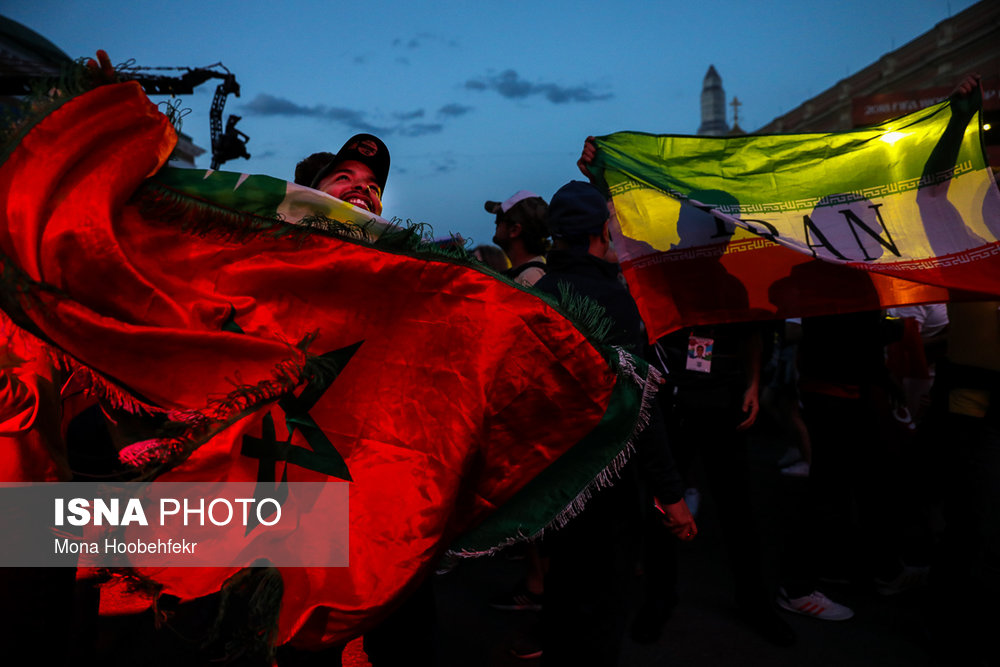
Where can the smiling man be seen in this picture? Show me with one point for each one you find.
(356, 174)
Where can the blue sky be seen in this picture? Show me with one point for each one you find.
(477, 100)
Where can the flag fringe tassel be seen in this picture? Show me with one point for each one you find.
(605, 478)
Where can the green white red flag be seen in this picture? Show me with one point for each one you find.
(723, 229)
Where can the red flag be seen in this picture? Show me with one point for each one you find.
(436, 388)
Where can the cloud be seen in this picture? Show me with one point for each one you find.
(409, 115)
(444, 165)
(421, 40)
(454, 109)
(269, 105)
(421, 129)
(508, 84)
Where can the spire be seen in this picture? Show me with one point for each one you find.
(713, 105)
(736, 129)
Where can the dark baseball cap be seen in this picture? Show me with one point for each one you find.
(364, 148)
(577, 209)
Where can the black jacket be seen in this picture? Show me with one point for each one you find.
(597, 279)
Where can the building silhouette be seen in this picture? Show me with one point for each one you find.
(713, 106)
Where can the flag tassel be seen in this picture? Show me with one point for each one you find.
(607, 477)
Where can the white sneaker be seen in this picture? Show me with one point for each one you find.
(816, 605)
(797, 469)
(791, 455)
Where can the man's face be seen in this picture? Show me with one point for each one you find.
(505, 232)
(354, 183)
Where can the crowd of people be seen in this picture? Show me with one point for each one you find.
(894, 417)
(869, 404)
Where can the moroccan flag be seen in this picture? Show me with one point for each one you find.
(723, 229)
(251, 349)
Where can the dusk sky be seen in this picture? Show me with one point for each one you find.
(477, 100)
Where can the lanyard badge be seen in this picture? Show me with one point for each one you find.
(699, 356)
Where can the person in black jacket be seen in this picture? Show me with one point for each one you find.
(592, 558)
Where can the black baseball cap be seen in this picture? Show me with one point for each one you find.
(576, 210)
(367, 149)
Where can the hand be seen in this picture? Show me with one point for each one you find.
(751, 406)
(678, 520)
(587, 158)
(101, 70)
(966, 85)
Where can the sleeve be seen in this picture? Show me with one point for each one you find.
(656, 463)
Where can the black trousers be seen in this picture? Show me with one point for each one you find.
(591, 564)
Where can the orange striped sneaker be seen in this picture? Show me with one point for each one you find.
(816, 605)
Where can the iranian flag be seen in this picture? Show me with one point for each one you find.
(726, 229)
(247, 330)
